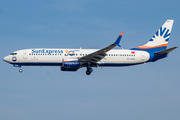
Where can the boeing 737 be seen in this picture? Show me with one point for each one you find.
(73, 59)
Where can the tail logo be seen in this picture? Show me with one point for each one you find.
(161, 33)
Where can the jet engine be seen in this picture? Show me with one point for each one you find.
(70, 65)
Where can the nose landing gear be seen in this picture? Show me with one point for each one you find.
(89, 70)
(20, 70)
(19, 66)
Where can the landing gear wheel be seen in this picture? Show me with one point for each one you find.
(88, 73)
(20, 70)
(89, 70)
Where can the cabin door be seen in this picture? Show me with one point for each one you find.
(25, 54)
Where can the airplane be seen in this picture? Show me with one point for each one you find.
(73, 59)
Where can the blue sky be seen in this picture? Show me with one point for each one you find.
(142, 92)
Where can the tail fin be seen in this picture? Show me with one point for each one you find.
(159, 40)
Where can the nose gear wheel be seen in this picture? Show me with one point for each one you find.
(20, 70)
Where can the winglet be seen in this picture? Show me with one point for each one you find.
(118, 39)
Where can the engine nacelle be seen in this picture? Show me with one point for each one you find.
(70, 65)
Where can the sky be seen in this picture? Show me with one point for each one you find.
(142, 92)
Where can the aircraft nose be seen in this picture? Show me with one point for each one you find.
(6, 59)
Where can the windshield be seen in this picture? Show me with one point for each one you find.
(13, 54)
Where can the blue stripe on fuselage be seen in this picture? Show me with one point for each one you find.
(59, 64)
(37, 64)
(152, 52)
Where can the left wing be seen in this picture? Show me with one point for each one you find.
(98, 55)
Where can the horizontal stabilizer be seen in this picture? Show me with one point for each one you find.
(165, 51)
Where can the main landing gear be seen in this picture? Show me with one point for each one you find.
(89, 70)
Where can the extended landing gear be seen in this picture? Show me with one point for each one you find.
(89, 70)
(20, 70)
(19, 66)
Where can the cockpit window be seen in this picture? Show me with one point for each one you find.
(13, 54)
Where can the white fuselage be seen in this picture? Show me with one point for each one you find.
(54, 57)
(73, 59)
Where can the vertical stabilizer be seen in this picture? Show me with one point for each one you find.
(160, 38)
